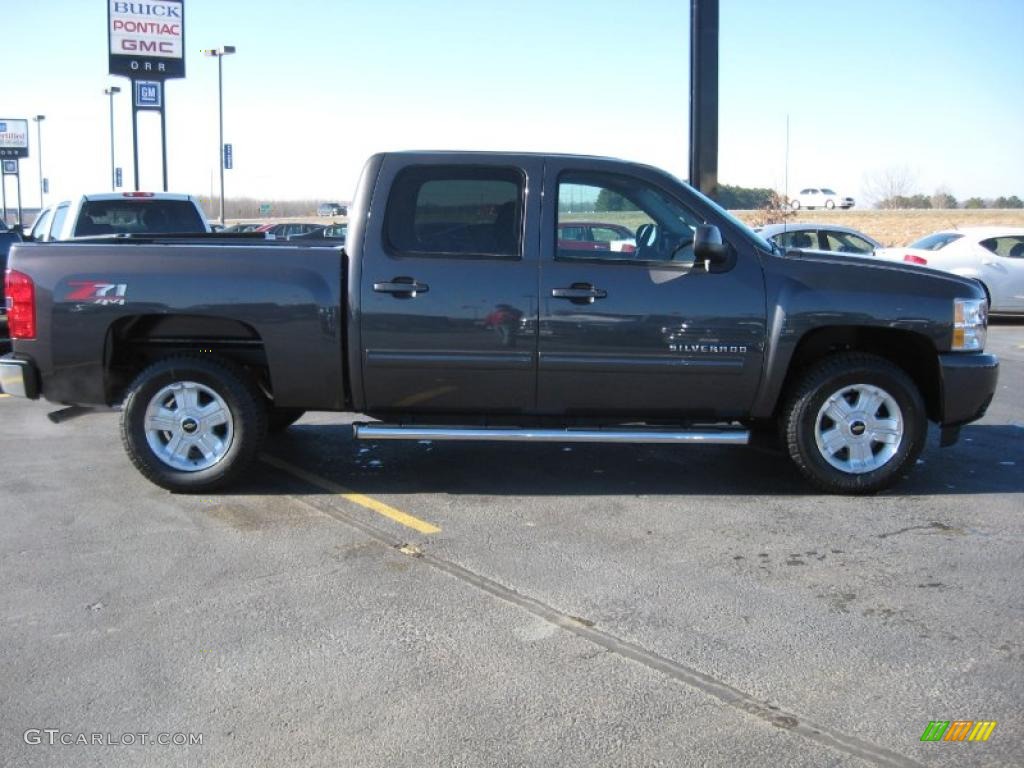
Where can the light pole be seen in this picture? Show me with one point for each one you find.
(38, 120)
(113, 173)
(220, 53)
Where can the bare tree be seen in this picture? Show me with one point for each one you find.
(943, 198)
(883, 187)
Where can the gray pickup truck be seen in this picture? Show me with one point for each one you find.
(485, 296)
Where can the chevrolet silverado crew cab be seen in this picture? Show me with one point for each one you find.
(456, 312)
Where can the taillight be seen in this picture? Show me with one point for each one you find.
(912, 259)
(21, 305)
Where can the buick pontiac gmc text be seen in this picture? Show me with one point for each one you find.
(486, 296)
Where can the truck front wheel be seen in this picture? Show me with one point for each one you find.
(854, 423)
(192, 424)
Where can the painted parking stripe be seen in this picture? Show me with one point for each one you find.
(367, 502)
(4, 395)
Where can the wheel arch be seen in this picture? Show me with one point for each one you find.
(137, 341)
(914, 353)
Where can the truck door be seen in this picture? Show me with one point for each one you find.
(636, 328)
(1002, 270)
(449, 285)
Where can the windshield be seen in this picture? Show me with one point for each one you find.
(936, 241)
(758, 239)
(138, 216)
(827, 191)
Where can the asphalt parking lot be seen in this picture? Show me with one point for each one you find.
(469, 604)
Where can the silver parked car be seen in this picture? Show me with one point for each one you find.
(820, 237)
(992, 255)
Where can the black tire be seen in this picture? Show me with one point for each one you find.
(279, 419)
(236, 391)
(800, 419)
(830, 204)
(794, 204)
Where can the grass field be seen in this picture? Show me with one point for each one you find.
(901, 227)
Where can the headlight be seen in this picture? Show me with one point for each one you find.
(970, 324)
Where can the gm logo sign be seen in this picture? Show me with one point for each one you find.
(148, 94)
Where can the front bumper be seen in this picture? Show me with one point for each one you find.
(19, 377)
(968, 384)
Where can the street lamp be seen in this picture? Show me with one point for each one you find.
(113, 173)
(38, 120)
(220, 53)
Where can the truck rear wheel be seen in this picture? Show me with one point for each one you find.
(854, 423)
(192, 424)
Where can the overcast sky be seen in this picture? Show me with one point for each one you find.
(316, 87)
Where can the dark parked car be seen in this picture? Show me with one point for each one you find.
(331, 209)
(595, 236)
(453, 313)
(287, 230)
(819, 237)
(332, 232)
(244, 227)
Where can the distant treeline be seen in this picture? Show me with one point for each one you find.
(943, 200)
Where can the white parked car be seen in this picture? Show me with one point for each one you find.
(992, 255)
(120, 213)
(819, 197)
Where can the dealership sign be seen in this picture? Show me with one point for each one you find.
(146, 39)
(13, 138)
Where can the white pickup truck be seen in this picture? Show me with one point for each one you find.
(119, 213)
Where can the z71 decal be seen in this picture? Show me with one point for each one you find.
(95, 292)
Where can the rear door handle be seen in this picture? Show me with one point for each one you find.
(579, 293)
(402, 287)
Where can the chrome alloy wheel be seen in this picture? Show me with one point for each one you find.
(188, 426)
(859, 429)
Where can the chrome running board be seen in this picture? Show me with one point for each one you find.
(380, 431)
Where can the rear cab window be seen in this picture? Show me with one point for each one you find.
(131, 216)
(936, 241)
(456, 211)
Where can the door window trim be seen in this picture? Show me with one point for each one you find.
(694, 268)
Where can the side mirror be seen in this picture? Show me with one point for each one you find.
(708, 245)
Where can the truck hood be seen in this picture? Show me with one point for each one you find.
(884, 266)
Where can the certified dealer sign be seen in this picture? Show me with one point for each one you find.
(147, 39)
(13, 138)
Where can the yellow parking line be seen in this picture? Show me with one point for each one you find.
(3, 395)
(367, 502)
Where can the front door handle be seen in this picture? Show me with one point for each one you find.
(579, 293)
(402, 287)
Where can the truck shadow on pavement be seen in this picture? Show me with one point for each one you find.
(988, 459)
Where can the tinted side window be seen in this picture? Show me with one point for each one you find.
(798, 239)
(1011, 247)
(456, 211)
(42, 224)
(844, 242)
(629, 220)
(59, 215)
